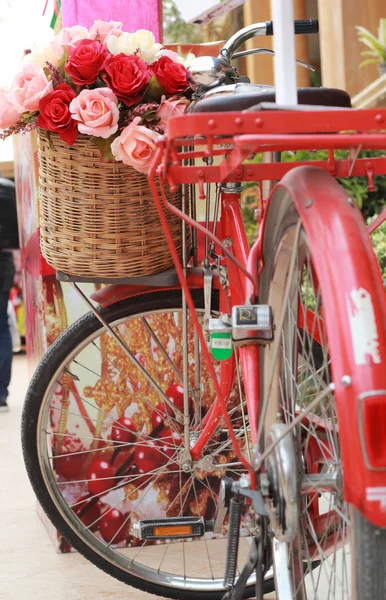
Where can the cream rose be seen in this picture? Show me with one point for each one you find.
(176, 57)
(39, 55)
(53, 51)
(29, 86)
(135, 146)
(142, 41)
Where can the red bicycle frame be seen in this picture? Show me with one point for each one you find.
(233, 137)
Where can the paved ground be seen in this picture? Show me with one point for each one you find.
(30, 568)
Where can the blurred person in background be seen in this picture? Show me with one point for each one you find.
(8, 242)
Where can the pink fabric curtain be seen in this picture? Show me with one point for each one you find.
(134, 14)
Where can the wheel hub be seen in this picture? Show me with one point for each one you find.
(282, 471)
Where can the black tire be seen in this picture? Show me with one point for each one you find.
(44, 374)
(370, 556)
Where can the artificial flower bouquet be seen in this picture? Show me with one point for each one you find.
(118, 88)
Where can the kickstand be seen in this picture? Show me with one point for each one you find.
(254, 559)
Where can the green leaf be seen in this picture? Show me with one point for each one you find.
(370, 61)
(29, 117)
(104, 146)
(98, 83)
(61, 64)
(154, 91)
(371, 42)
(369, 53)
(150, 116)
(382, 31)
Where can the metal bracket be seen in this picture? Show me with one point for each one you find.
(242, 487)
(206, 463)
(208, 277)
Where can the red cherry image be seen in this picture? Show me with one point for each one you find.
(147, 457)
(123, 459)
(169, 441)
(159, 414)
(110, 524)
(176, 394)
(101, 474)
(137, 480)
(88, 512)
(70, 466)
(123, 431)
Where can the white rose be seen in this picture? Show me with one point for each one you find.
(39, 55)
(188, 59)
(176, 57)
(128, 43)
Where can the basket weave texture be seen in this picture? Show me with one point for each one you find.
(98, 219)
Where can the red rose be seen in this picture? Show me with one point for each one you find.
(171, 75)
(85, 62)
(127, 76)
(54, 113)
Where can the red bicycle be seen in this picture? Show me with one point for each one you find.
(219, 430)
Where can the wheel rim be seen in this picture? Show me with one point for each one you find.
(72, 410)
(294, 378)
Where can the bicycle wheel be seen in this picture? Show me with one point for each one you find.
(101, 447)
(311, 522)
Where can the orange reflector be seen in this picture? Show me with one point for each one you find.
(172, 530)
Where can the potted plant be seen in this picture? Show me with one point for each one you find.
(377, 52)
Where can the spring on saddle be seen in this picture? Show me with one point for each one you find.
(233, 542)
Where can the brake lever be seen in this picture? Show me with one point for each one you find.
(271, 53)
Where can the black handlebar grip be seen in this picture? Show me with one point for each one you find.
(301, 26)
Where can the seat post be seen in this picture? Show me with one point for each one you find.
(284, 46)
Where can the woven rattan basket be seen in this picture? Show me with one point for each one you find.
(98, 219)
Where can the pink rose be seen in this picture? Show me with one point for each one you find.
(173, 107)
(68, 37)
(102, 29)
(9, 116)
(170, 54)
(29, 87)
(135, 146)
(96, 112)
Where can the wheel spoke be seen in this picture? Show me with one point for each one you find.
(298, 384)
(139, 443)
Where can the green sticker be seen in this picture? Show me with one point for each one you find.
(221, 345)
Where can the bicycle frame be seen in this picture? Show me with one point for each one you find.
(278, 130)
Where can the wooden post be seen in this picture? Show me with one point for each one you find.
(260, 68)
(339, 46)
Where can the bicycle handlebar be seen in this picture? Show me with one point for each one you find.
(302, 26)
(207, 72)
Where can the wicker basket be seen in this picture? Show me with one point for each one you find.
(98, 219)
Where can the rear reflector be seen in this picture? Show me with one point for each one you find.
(374, 428)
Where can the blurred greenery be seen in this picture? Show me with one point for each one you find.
(370, 203)
(176, 29)
(378, 239)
